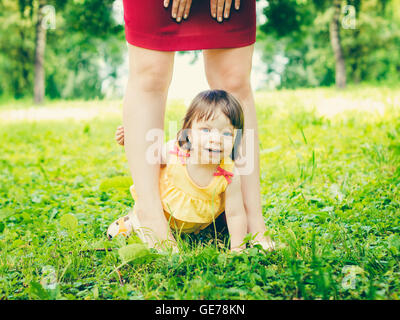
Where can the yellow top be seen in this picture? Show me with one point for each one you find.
(190, 207)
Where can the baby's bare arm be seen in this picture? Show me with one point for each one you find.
(235, 214)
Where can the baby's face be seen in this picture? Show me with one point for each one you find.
(212, 140)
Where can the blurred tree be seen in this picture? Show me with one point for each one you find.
(334, 32)
(292, 18)
(86, 37)
(86, 47)
(40, 44)
(322, 45)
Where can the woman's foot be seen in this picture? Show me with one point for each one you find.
(146, 227)
(130, 223)
(155, 228)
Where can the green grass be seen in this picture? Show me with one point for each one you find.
(330, 190)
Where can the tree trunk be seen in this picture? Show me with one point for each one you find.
(38, 86)
(334, 32)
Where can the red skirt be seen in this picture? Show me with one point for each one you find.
(148, 24)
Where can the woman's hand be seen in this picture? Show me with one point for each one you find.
(179, 8)
(217, 8)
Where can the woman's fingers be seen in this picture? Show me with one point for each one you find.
(175, 7)
(182, 5)
(187, 9)
(221, 9)
(228, 4)
(237, 4)
(213, 7)
(180, 8)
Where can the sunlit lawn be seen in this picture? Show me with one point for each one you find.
(330, 187)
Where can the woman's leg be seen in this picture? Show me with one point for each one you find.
(229, 70)
(150, 75)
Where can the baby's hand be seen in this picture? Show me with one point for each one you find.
(119, 135)
(266, 243)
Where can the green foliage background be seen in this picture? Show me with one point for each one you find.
(87, 38)
(299, 31)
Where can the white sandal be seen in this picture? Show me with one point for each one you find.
(125, 225)
(122, 226)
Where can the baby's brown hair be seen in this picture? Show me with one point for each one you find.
(204, 106)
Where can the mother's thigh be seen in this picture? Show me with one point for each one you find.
(229, 69)
(150, 69)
